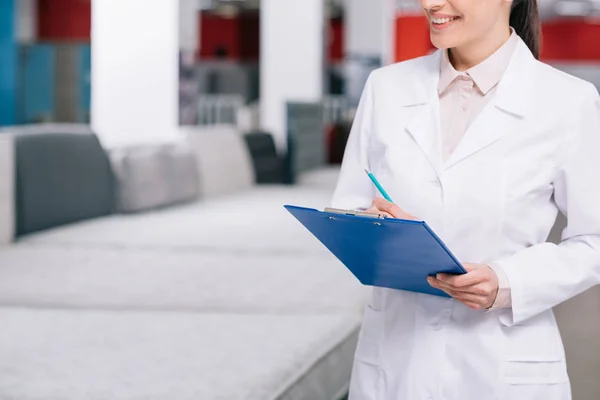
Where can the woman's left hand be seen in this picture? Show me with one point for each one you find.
(477, 289)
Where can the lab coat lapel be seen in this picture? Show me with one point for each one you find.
(424, 126)
(501, 115)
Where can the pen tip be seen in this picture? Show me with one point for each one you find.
(367, 171)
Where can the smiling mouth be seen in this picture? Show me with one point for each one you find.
(440, 23)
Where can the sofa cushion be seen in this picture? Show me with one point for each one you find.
(224, 162)
(7, 183)
(61, 178)
(268, 165)
(152, 176)
(48, 128)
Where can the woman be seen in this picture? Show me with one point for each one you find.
(486, 144)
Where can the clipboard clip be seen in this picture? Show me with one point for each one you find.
(354, 213)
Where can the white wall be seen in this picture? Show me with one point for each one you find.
(26, 18)
(135, 47)
(291, 63)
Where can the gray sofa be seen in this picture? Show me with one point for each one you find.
(162, 272)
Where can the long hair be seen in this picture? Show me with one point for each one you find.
(525, 19)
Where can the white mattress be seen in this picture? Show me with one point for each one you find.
(322, 178)
(254, 221)
(39, 276)
(47, 355)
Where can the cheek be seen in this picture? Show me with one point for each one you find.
(467, 30)
(454, 36)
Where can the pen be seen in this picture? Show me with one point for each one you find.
(378, 185)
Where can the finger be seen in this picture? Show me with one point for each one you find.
(471, 300)
(481, 289)
(475, 301)
(471, 267)
(474, 277)
(441, 284)
(391, 208)
(478, 295)
(469, 297)
(375, 210)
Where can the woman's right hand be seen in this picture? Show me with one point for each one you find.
(382, 206)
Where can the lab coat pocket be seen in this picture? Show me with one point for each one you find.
(538, 372)
(371, 333)
(366, 372)
(535, 380)
(533, 356)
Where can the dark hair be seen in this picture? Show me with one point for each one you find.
(525, 19)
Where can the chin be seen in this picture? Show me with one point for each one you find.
(442, 43)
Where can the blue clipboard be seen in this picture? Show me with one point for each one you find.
(385, 252)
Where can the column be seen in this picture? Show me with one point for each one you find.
(26, 29)
(291, 59)
(189, 23)
(8, 62)
(369, 40)
(135, 77)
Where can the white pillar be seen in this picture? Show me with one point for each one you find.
(135, 45)
(370, 28)
(369, 40)
(291, 59)
(26, 21)
(188, 24)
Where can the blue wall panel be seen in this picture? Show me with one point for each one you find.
(36, 92)
(85, 77)
(8, 62)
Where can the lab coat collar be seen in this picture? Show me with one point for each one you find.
(510, 103)
(423, 87)
(514, 89)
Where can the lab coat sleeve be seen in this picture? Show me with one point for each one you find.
(354, 190)
(544, 275)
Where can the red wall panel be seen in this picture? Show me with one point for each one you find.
(219, 32)
(575, 40)
(336, 40)
(412, 37)
(64, 19)
(571, 40)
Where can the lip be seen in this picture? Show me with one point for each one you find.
(441, 27)
(440, 15)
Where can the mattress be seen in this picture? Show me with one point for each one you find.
(253, 221)
(321, 178)
(38, 276)
(99, 355)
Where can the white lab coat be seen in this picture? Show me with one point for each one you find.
(534, 150)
